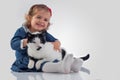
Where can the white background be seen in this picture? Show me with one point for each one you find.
(82, 26)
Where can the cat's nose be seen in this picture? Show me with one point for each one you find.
(39, 48)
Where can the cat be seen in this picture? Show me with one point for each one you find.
(41, 50)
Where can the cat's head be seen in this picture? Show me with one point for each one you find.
(36, 40)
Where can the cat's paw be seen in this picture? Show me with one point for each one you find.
(37, 65)
(31, 64)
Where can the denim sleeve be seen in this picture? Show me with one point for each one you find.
(16, 40)
(50, 38)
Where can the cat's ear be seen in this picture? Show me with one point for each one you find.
(29, 34)
(44, 36)
(44, 32)
(29, 37)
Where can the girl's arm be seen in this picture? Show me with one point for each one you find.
(54, 41)
(57, 45)
(18, 40)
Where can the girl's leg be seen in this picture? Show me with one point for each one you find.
(63, 66)
(77, 63)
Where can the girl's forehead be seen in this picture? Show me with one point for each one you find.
(42, 12)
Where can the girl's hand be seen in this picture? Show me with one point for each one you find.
(25, 42)
(56, 45)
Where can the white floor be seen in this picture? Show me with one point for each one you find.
(83, 75)
(96, 71)
(47, 76)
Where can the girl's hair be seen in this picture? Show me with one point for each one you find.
(32, 11)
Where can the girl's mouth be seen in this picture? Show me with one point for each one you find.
(40, 25)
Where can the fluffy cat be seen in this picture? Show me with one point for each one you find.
(41, 50)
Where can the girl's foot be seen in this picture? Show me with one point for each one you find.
(76, 65)
(66, 63)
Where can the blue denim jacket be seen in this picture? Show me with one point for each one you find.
(21, 62)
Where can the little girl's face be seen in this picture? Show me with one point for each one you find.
(40, 20)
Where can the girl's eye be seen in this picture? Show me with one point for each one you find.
(38, 17)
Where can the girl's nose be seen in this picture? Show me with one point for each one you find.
(41, 20)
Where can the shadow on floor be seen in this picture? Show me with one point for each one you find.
(49, 76)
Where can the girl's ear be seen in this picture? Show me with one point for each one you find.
(28, 18)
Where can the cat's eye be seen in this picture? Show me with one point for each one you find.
(33, 42)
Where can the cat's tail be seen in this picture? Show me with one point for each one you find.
(63, 51)
(84, 58)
